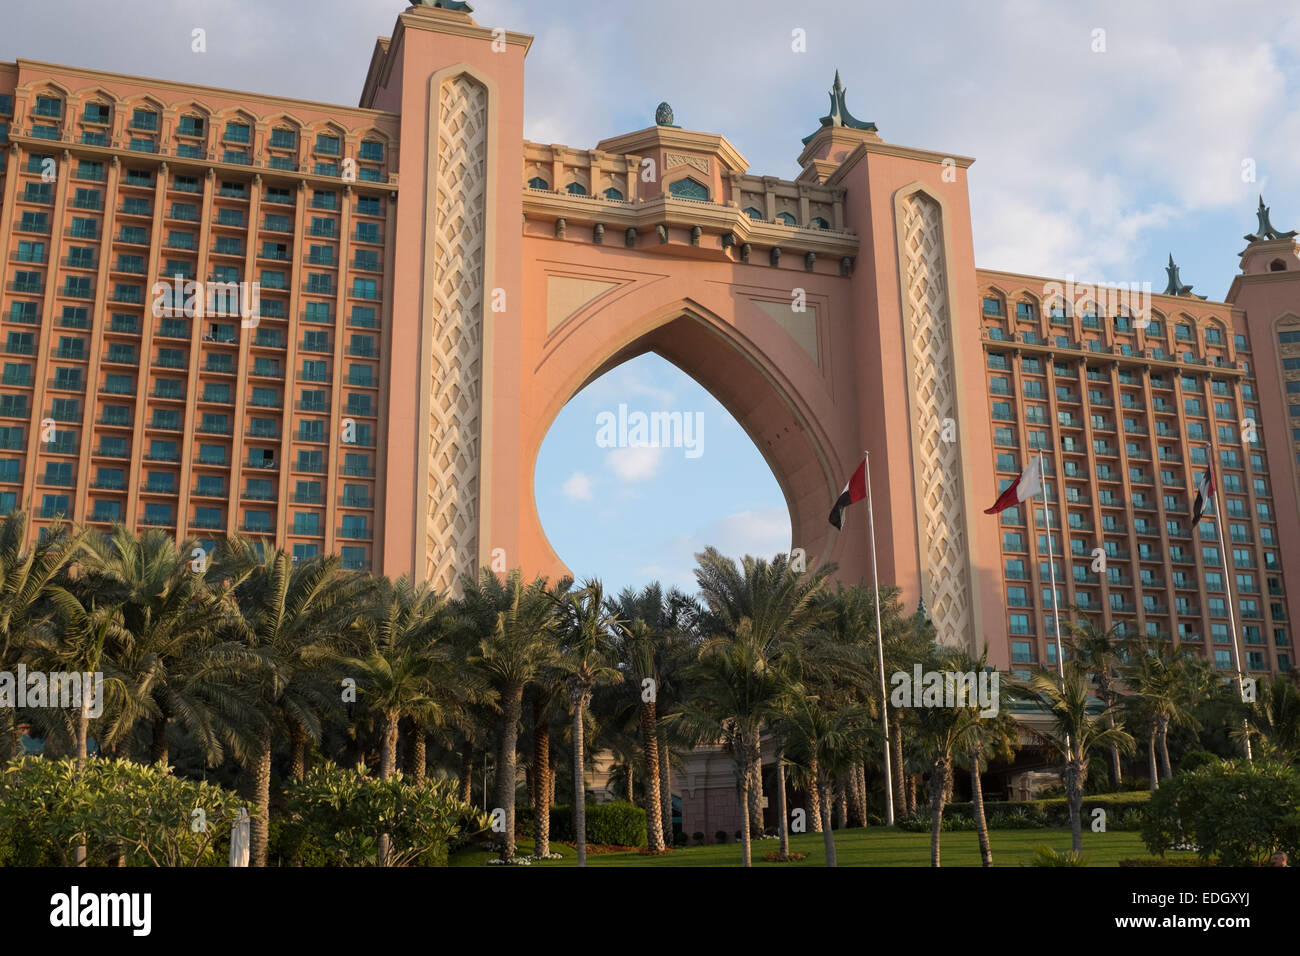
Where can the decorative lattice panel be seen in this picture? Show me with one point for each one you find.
(455, 408)
(941, 511)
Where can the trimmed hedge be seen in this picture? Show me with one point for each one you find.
(1124, 811)
(608, 824)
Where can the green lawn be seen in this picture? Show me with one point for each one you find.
(877, 846)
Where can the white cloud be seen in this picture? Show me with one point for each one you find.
(578, 487)
(635, 464)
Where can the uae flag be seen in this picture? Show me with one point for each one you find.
(1204, 492)
(1029, 484)
(855, 490)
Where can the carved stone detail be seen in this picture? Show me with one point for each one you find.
(682, 159)
(455, 407)
(941, 508)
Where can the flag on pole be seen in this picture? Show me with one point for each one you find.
(1204, 492)
(855, 490)
(1029, 484)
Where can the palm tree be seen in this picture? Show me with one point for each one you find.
(828, 735)
(942, 733)
(782, 606)
(737, 687)
(1169, 685)
(651, 648)
(988, 737)
(587, 657)
(1275, 716)
(1076, 734)
(26, 575)
(291, 616)
(514, 624)
(408, 668)
(1102, 651)
(170, 649)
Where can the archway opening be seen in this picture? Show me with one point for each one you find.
(642, 469)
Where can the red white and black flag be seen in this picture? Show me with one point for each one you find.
(1028, 485)
(1204, 492)
(855, 490)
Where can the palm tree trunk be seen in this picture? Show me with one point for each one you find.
(783, 814)
(977, 802)
(939, 770)
(1164, 747)
(1074, 790)
(259, 826)
(419, 754)
(742, 767)
(665, 786)
(896, 742)
(552, 759)
(388, 767)
(579, 778)
(464, 794)
(158, 753)
(631, 785)
(512, 704)
(842, 804)
(1151, 758)
(911, 794)
(297, 751)
(857, 812)
(825, 790)
(83, 731)
(541, 781)
(650, 746)
(815, 798)
(859, 784)
(756, 788)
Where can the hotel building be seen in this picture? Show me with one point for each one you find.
(431, 289)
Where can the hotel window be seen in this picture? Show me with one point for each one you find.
(49, 107)
(54, 506)
(48, 131)
(6, 104)
(311, 461)
(9, 470)
(992, 306)
(368, 232)
(97, 113)
(1020, 624)
(306, 523)
(354, 559)
(354, 527)
(369, 206)
(145, 120)
(311, 430)
(327, 144)
(259, 489)
(238, 132)
(372, 152)
(365, 289)
(284, 139)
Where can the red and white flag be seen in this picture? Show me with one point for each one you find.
(855, 490)
(1204, 492)
(1029, 484)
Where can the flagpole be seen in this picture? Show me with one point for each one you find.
(880, 649)
(1232, 613)
(1051, 567)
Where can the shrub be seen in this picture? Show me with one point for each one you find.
(1195, 759)
(616, 824)
(1046, 856)
(341, 813)
(720, 836)
(114, 807)
(698, 837)
(1237, 811)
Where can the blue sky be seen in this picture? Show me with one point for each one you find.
(1097, 154)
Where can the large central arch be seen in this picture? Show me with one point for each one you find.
(758, 395)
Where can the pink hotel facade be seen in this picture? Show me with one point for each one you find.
(433, 288)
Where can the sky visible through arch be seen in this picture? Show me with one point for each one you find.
(631, 515)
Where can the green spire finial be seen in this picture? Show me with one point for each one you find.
(1266, 230)
(839, 114)
(1175, 286)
